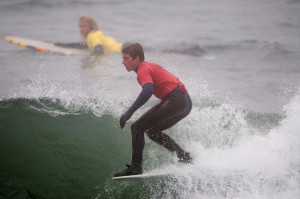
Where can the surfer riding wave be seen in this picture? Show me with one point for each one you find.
(174, 106)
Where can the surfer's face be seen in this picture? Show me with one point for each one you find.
(84, 28)
(129, 62)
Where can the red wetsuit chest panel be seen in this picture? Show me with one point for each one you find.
(162, 80)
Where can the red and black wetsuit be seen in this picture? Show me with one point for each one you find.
(175, 105)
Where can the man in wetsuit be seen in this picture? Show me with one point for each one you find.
(175, 105)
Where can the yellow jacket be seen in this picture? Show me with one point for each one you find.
(97, 37)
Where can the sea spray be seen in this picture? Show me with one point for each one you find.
(257, 166)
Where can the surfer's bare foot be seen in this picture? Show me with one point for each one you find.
(130, 170)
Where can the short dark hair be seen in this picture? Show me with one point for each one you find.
(134, 50)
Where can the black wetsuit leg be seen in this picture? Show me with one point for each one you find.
(174, 107)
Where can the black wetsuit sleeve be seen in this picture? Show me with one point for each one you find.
(143, 97)
(77, 45)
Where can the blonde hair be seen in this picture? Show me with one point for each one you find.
(92, 23)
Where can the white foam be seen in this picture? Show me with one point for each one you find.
(257, 166)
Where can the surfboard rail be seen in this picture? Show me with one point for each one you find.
(40, 46)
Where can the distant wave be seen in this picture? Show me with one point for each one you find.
(16, 5)
(182, 48)
(293, 1)
(274, 48)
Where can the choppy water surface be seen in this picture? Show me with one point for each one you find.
(59, 117)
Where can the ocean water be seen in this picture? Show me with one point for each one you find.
(59, 115)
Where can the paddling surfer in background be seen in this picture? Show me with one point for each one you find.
(175, 105)
(98, 43)
(95, 40)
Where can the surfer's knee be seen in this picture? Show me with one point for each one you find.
(136, 128)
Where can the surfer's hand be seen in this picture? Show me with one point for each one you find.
(126, 116)
(98, 50)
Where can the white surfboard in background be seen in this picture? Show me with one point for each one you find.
(43, 46)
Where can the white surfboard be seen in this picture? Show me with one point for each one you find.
(142, 176)
(43, 46)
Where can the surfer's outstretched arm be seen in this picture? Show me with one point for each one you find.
(77, 45)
